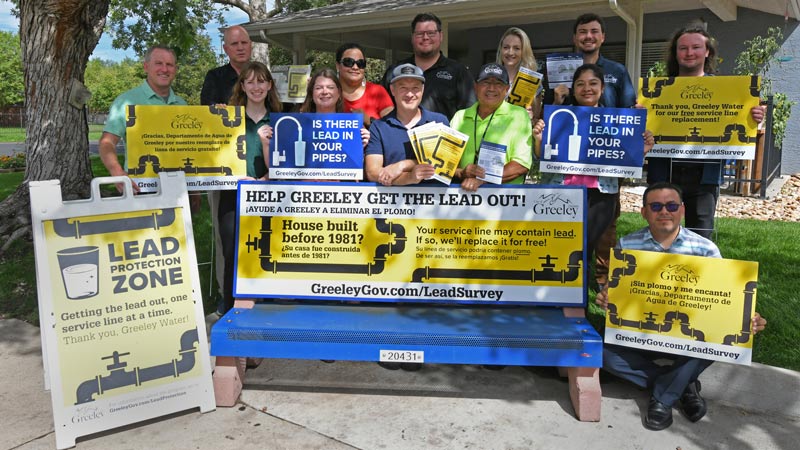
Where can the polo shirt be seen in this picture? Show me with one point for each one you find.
(256, 165)
(687, 242)
(618, 91)
(140, 95)
(448, 85)
(389, 137)
(218, 85)
(510, 125)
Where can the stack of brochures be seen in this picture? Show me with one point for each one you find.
(440, 146)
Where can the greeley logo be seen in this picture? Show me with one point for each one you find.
(555, 205)
(444, 75)
(680, 273)
(86, 413)
(185, 121)
(696, 92)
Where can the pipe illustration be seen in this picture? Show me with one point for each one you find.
(223, 113)
(617, 273)
(299, 145)
(77, 228)
(650, 323)
(188, 167)
(754, 89)
(694, 136)
(658, 85)
(546, 274)
(382, 252)
(118, 377)
(131, 116)
(574, 147)
(749, 290)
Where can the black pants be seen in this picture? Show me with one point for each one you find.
(601, 213)
(226, 215)
(700, 200)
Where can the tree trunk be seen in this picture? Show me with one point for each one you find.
(258, 11)
(57, 38)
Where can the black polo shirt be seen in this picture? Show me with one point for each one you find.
(448, 85)
(218, 85)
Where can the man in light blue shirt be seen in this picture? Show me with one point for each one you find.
(674, 384)
(160, 68)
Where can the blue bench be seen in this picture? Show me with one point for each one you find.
(448, 334)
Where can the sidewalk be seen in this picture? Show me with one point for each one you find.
(294, 404)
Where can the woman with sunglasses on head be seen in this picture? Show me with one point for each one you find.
(255, 90)
(513, 52)
(587, 90)
(324, 95)
(358, 94)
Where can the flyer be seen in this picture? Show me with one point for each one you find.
(291, 82)
(684, 305)
(598, 141)
(561, 67)
(204, 142)
(308, 146)
(525, 87)
(701, 117)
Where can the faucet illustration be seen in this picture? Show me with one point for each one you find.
(574, 139)
(299, 145)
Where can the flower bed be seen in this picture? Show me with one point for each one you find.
(12, 163)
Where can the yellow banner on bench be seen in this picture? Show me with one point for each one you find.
(205, 142)
(426, 243)
(685, 305)
(701, 117)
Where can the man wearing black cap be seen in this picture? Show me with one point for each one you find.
(389, 158)
(493, 120)
(449, 84)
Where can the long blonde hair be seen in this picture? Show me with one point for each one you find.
(527, 59)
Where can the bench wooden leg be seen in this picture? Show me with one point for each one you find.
(584, 391)
(228, 379)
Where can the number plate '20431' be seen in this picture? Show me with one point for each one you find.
(402, 356)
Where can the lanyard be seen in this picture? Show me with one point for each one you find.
(475, 134)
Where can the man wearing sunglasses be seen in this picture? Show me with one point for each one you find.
(448, 83)
(675, 384)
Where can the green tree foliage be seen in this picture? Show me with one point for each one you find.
(192, 68)
(11, 78)
(178, 24)
(756, 59)
(107, 79)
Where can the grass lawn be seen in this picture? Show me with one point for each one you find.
(773, 244)
(17, 270)
(18, 134)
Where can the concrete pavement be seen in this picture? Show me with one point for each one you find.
(295, 404)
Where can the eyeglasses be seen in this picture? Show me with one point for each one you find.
(350, 62)
(657, 206)
(428, 34)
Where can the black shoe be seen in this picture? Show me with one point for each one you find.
(692, 405)
(493, 367)
(410, 367)
(659, 415)
(389, 365)
(328, 361)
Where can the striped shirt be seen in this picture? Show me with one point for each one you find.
(686, 243)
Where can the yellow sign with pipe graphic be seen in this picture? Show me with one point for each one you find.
(360, 241)
(204, 142)
(680, 304)
(701, 117)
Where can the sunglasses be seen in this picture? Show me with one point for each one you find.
(350, 62)
(657, 206)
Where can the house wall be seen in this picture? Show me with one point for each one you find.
(659, 27)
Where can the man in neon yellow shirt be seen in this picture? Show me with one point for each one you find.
(493, 120)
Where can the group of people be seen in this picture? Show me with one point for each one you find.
(429, 87)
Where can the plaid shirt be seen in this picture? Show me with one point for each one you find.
(686, 243)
